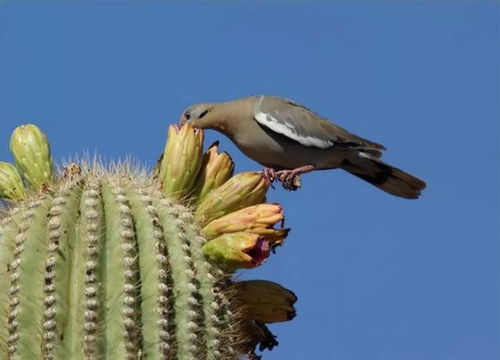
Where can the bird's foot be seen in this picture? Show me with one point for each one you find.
(285, 175)
(269, 175)
(290, 179)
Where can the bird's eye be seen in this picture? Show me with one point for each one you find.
(203, 113)
(187, 115)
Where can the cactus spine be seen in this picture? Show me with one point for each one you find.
(111, 264)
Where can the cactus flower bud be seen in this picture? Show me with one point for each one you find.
(242, 190)
(11, 184)
(257, 219)
(181, 160)
(265, 301)
(31, 151)
(216, 169)
(237, 250)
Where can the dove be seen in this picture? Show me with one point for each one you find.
(289, 139)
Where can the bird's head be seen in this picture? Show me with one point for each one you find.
(199, 115)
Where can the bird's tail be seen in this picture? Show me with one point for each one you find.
(384, 176)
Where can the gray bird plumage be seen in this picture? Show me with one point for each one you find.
(284, 135)
(305, 126)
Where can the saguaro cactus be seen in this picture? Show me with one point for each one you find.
(113, 263)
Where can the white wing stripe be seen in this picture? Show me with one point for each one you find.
(288, 130)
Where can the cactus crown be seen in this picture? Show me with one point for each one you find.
(98, 262)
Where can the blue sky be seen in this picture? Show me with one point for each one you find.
(377, 277)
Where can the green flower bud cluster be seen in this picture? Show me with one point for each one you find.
(31, 151)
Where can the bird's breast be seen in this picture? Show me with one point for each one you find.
(279, 152)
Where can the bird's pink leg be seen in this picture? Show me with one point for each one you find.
(287, 175)
(269, 175)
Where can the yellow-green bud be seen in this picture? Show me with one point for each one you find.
(242, 190)
(11, 184)
(181, 160)
(265, 301)
(237, 250)
(31, 151)
(257, 219)
(216, 169)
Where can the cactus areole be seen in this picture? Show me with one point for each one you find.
(112, 263)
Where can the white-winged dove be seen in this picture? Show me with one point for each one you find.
(289, 139)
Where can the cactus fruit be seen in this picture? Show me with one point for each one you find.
(265, 301)
(31, 151)
(11, 184)
(113, 263)
(237, 250)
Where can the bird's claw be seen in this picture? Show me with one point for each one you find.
(269, 175)
(284, 175)
(288, 178)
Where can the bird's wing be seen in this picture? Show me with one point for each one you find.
(298, 123)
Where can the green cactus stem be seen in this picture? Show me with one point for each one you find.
(113, 264)
(107, 266)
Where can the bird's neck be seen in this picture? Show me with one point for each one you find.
(228, 116)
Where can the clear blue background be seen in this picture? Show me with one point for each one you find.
(378, 277)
